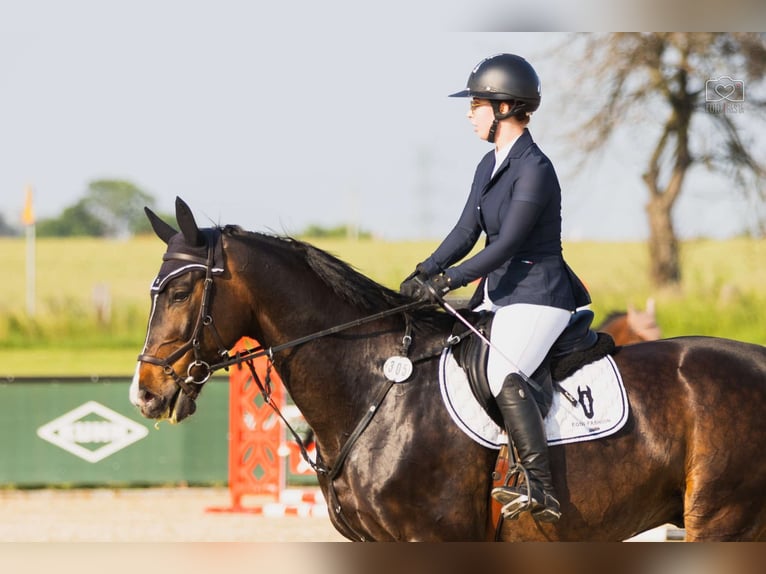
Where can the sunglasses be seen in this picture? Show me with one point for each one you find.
(478, 103)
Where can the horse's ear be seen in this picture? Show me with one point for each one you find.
(192, 234)
(163, 230)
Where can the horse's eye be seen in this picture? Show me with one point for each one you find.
(179, 296)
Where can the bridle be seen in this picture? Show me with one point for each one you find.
(189, 384)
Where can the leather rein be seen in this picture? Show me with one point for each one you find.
(205, 319)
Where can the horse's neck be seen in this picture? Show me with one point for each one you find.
(294, 323)
(290, 298)
(331, 377)
(325, 375)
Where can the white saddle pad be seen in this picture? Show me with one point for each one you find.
(601, 409)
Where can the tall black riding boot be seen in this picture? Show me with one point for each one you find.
(526, 432)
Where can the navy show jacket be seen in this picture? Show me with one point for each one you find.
(518, 265)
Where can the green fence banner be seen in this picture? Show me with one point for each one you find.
(81, 432)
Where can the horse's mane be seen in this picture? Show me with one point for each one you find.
(345, 281)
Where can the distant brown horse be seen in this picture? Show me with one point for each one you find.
(632, 326)
(391, 463)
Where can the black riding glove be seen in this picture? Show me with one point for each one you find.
(440, 285)
(413, 283)
(432, 289)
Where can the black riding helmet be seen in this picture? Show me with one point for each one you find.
(504, 78)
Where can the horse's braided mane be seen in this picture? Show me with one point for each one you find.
(348, 283)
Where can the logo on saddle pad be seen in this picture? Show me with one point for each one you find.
(601, 409)
(585, 398)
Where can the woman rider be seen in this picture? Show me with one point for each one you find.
(515, 200)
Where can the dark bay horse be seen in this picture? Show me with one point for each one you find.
(393, 465)
(632, 326)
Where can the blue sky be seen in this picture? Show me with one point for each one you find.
(273, 123)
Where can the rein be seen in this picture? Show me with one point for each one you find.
(204, 319)
(260, 351)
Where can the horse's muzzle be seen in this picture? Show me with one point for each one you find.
(174, 407)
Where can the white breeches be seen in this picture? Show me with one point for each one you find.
(522, 334)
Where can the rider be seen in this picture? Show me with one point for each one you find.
(515, 200)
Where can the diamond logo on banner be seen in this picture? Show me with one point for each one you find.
(92, 431)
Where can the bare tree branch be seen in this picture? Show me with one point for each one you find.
(645, 77)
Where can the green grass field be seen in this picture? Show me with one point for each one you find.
(721, 294)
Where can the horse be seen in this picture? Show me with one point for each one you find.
(632, 326)
(391, 463)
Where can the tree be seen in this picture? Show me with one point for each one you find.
(118, 205)
(74, 221)
(110, 208)
(691, 87)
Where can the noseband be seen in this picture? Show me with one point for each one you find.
(190, 384)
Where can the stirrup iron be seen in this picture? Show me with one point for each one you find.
(511, 510)
(540, 510)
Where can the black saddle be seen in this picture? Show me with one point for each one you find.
(577, 346)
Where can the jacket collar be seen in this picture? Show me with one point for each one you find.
(518, 148)
(521, 144)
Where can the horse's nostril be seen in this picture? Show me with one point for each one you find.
(145, 396)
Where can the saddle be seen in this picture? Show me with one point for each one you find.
(576, 347)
